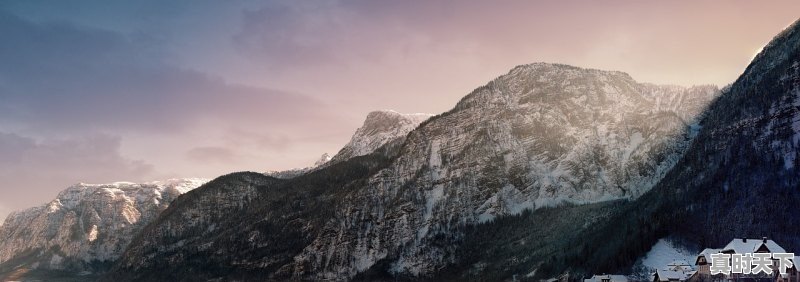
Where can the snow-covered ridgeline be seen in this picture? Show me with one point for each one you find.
(87, 222)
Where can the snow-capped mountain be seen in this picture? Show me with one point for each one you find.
(86, 225)
(540, 135)
(380, 128)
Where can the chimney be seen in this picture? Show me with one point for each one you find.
(744, 240)
(764, 239)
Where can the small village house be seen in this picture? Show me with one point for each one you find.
(675, 271)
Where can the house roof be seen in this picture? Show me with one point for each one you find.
(708, 251)
(666, 275)
(679, 262)
(611, 277)
(705, 253)
(743, 246)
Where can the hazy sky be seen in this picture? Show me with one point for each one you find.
(101, 91)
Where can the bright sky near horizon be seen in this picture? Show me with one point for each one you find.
(101, 91)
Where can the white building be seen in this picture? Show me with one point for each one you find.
(676, 271)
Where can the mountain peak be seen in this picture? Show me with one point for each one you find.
(325, 158)
(379, 128)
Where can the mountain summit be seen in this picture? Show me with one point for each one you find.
(380, 128)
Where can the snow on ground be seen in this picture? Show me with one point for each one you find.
(664, 252)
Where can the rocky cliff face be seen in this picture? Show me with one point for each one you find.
(540, 135)
(86, 225)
